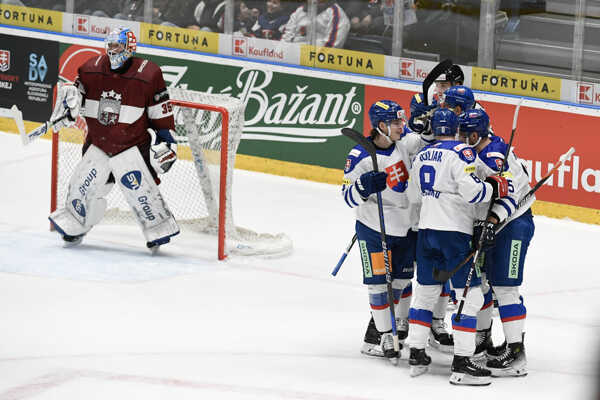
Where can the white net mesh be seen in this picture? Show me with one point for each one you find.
(191, 188)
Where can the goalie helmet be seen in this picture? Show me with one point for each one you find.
(385, 111)
(475, 120)
(444, 122)
(459, 96)
(120, 45)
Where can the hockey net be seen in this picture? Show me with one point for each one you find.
(198, 188)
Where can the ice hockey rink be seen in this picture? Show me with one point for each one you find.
(107, 320)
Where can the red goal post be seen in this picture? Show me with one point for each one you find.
(198, 189)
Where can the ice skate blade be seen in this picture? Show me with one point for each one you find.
(371, 350)
(416, 370)
(73, 243)
(154, 250)
(509, 372)
(395, 361)
(460, 378)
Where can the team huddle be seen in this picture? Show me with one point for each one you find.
(457, 207)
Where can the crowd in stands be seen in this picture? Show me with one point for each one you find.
(366, 25)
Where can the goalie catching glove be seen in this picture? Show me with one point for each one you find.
(162, 150)
(68, 102)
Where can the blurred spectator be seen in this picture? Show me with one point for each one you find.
(377, 17)
(45, 4)
(105, 8)
(332, 25)
(208, 13)
(134, 10)
(180, 13)
(18, 3)
(245, 16)
(271, 23)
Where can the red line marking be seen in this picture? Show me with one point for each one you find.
(50, 381)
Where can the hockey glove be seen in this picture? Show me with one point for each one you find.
(162, 155)
(67, 102)
(484, 234)
(499, 184)
(371, 182)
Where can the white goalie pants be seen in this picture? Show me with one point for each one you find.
(85, 204)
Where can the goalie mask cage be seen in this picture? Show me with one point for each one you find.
(198, 188)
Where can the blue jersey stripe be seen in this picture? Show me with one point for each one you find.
(351, 197)
(506, 207)
(514, 203)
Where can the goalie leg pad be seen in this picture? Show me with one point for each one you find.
(84, 206)
(143, 196)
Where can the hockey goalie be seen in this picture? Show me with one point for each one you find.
(129, 142)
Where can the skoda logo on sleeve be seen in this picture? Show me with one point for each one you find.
(132, 180)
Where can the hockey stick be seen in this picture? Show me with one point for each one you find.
(443, 276)
(370, 148)
(489, 211)
(433, 75)
(343, 257)
(40, 130)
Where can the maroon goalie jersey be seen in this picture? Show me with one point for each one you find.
(119, 107)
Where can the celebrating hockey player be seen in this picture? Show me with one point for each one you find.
(445, 184)
(418, 108)
(129, 121)
(395, 147)
(505, 251)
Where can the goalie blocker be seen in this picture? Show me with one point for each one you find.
(90, 183)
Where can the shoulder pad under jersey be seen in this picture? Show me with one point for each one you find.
(354, 157)
(493, 154)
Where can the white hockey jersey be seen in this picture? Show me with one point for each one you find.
(444, 182)
(332, 27)
(399, 214)
(488, 163)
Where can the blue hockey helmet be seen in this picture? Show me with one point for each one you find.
(444, 122)
(385, 111)
(475, 120)
(459, 96)
(120, 45)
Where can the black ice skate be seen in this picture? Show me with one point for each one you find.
(402, 326)
(483, 342)
(512, 362)
(72, 241)
(387, 346)
(419, 362)
(439, 338)
(466, 372)
(372, 341)
(154, 246)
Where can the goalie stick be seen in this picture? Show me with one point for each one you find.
(40, 130)
(370, 148)
(433, 75)
(343, 257)
(443, 276)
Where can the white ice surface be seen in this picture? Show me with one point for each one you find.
(107, 320)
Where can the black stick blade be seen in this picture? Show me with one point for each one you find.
(360, 139)
(439, 69)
